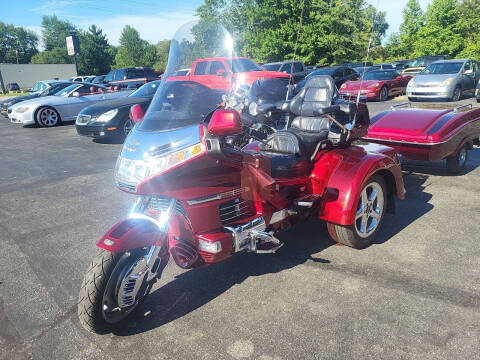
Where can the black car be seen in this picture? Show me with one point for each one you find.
(340, 74)
(13, 87)
(298, 70)
(130, 77)
(53, 87)
(477, 92)
(110, 119)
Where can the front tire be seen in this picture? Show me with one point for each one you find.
(456, 163)
(100, 308)
(369, 216)
(383, 94)
(47, 117)
(457, 94)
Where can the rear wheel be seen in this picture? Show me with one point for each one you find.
(371, 207)
(456, 163)
(127, 127)
(113, 287)
(48, 117)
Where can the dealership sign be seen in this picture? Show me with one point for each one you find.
(73, 47)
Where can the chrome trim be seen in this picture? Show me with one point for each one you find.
(457, 109)
(394, 107)
(406, 142)
(219, 196)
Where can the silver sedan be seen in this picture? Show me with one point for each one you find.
(445, 79)
(63, 106)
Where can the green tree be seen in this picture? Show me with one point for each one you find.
(163, 48)
(56, 55)
(54, 32)
(413, 21)
(16, 41)
(332, 30)
(95, 55)
(134, 51)
(442, 33)
(470, 26)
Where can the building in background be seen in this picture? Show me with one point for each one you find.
(26, 75)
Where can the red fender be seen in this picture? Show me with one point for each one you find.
(130, 234)
(339, 176)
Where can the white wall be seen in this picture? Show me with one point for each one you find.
(26, 75)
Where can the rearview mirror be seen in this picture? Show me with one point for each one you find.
(468, 72)
(225, 123)
(75, 94)
(136, 113)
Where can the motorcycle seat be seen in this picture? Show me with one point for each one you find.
(286, 154)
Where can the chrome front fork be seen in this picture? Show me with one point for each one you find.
(162, 222)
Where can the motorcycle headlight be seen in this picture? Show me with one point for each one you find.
(253, 109)
(107, 116)
(135, 171)
(447, 81)
(22, 109)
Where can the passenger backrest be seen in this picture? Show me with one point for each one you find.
(318, 92)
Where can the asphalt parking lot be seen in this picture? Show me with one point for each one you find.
(414, 294)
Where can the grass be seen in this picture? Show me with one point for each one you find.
(11, 94)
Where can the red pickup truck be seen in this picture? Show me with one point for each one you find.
(217, 73)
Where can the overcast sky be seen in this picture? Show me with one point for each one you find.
(154, 19)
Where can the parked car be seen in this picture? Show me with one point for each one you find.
(99, 79)
(414, 66)
(340, 74)
(377, 84)
(53, 87)
(110, 118)
(65, 105)
(299, 69)
(381, 67)
(447, 79)
(13, 87)
(399, 65)
(83, 78)
(126, 77)
(182, 72)
(217, 73)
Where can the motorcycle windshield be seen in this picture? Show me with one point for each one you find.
(206, 49)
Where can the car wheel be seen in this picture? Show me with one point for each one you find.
(457, 94)
(369, 216)
(383, 94)
(48, 117)
(456, 163)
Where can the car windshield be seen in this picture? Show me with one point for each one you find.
(67, 90)
(442, 68)
(147, 90)
(379, 75)
(272, 67)
(328, 71)
(243, 65)
(54, 88)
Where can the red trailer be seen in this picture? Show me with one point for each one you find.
(429, 135)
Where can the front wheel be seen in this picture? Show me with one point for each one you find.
(368, 217)
(383, 94)
(48, 117)
(113, 287)
(457, 94)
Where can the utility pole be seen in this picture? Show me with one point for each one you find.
(16, 51)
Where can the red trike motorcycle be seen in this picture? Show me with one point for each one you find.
(203, 198)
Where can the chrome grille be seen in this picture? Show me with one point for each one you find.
(160, 203)
(83, 119)
(236, 209)
(126, 187)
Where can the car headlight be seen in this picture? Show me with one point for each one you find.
(374, 85)
(343, 86)
(107, 116)
(253, 108)
(448, 81)
(22, 109)
(7, 104)
(135, 171)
